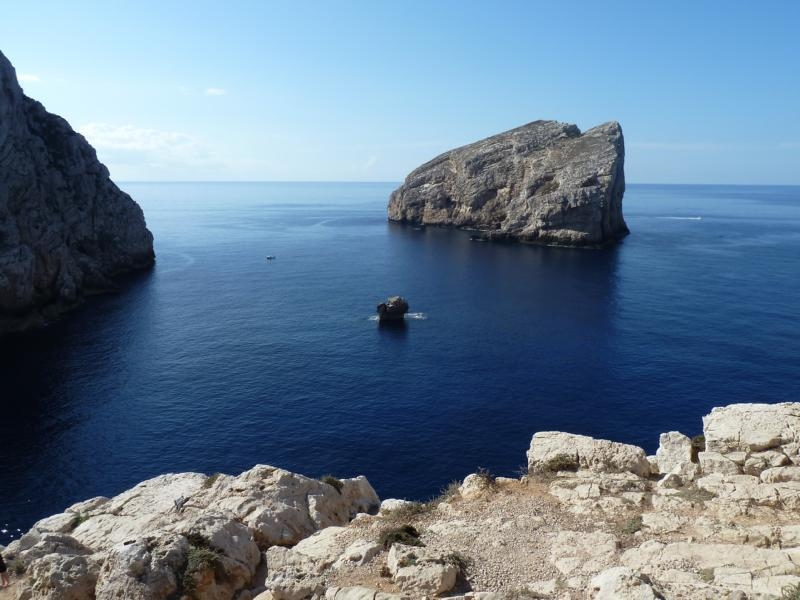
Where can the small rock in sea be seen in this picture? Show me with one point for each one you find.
(394, 309)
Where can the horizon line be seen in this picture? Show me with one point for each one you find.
(400, 181)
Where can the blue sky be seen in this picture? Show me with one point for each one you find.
(707, 92)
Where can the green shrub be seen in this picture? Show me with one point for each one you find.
(561, 462)
(522, 594)
(199, 558)
(695, 495)
(632, 525)
(458, 560)
(486, 476)
(407, 561)
(79, 518)
(448, 492)
(698, 446)
(707, 575)
(409, 511)
(17, 567)
(332, 481)
(405, 534)
(791, 592)
(211, 480)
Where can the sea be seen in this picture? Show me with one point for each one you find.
(220, 358)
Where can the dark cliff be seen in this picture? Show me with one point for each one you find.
(65, 228)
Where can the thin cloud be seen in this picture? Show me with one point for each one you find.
(29, 78)
(369, 163)
(213, 91)
(711, 146)
(136, 146)
(685, 146)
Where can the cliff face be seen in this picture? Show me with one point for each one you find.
(544, 183)
(65, 228)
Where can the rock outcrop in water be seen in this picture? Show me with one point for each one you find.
(394, 309)
(65, 228)
(545, 183)
(591, 520)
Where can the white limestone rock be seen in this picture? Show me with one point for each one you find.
(780, 474)
(580, 552)
(143, 570)
(146, 530)
(360, 552)
(714, 462)
(751, 427)
(62, 577)
(758, 461)
(764, 561)
(587, 453)
(622, 583)
(474, 485)
(674, 448)
(391, 504)
(421, 570)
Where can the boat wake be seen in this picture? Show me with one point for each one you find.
(411, 316)
(682, 218)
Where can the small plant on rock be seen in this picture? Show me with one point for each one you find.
(486, 477)
(458, 560)
(405, 534)
(632, 525)
(698, 446)
(695, 495)
(198, 559)
(17, 567)
(79, 518)
(450, 491)
(561, 462)
(332, 481)
(407, 561)
(791, 592)
(211, 480)
(522, 594)
(409, 511)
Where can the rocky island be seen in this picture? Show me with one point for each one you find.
(713, 517)
(65, 228)
(544, 183)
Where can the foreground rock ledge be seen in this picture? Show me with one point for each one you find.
(545, 183)
(65, 228)
(592, 519)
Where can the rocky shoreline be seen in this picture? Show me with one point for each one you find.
(712, 518)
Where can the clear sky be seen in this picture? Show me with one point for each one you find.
(706, 91)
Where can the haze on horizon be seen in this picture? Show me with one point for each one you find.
(705, 92)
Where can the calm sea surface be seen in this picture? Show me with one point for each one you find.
(219, 359)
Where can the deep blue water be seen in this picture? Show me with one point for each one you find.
(219, 359)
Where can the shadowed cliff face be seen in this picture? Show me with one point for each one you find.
(65, 228)
(544, 182)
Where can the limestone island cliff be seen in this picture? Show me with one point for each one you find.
(65, 228)
(716, 516)
(544, 183)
